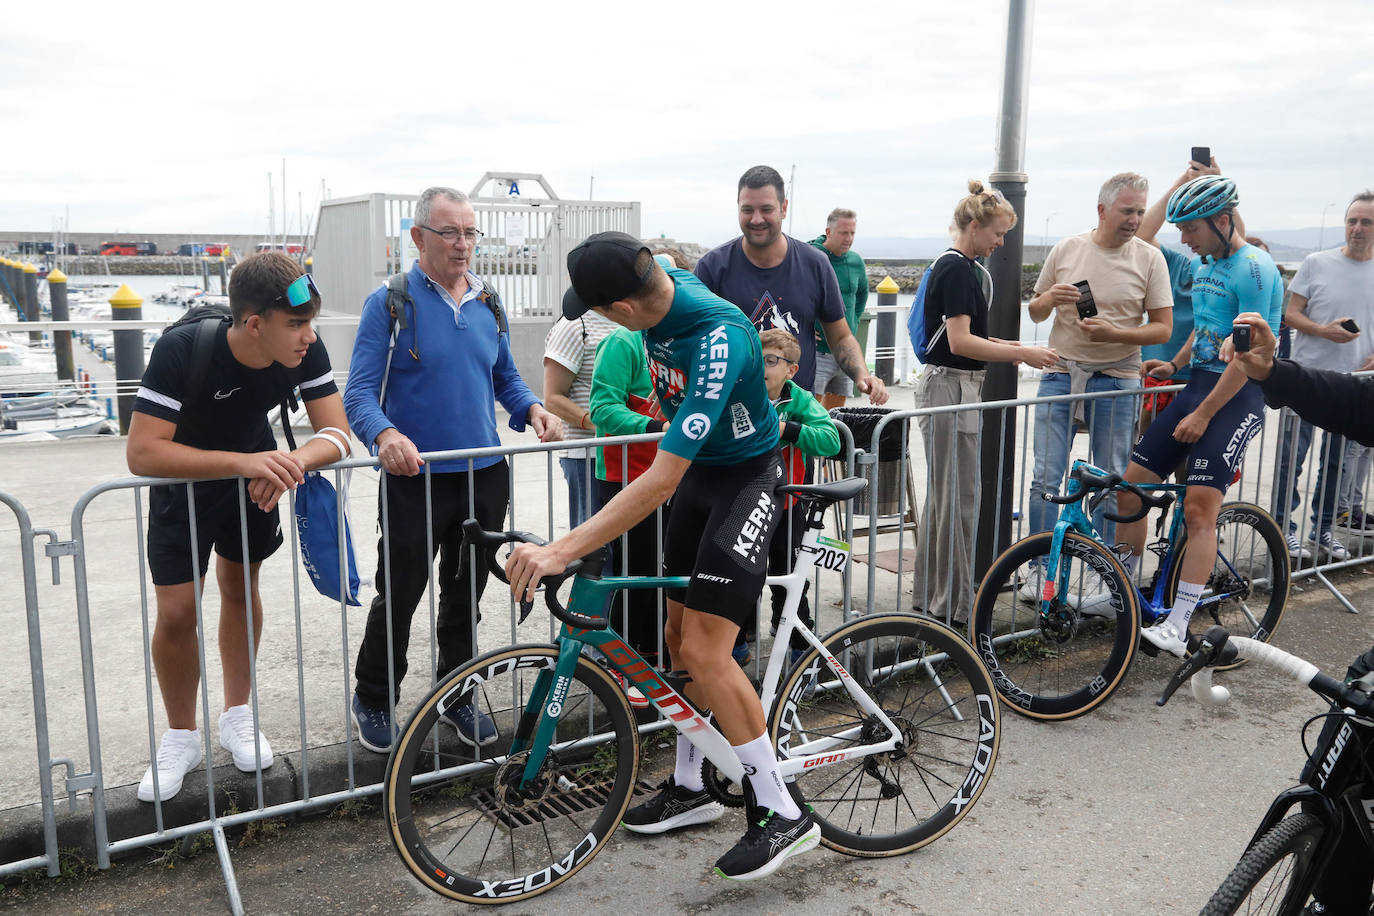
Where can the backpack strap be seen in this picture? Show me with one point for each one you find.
(939, 332)
(492, 298)
(397, 296)
(202, 349)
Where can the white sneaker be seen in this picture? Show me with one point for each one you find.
(177, 754)
(1032, 585)
(1333, 548)
(236, 737)
(1163, 636)
(1295, 549)
(1092, 602)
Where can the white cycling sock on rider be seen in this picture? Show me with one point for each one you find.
(761, 766)
(687, 773)
(1189, 593)
(1131, 562)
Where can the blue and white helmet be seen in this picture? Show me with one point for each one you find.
(1204, 196)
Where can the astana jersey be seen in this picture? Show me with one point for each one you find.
(1247, 281)
(707, 366)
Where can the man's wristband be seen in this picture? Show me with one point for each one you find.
(1174, 366)
(655, 426)
(582, 423)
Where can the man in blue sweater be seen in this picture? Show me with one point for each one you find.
(450, 364)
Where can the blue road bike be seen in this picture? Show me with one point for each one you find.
(1057, 622)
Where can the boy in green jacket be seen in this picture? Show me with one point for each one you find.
(806, 432)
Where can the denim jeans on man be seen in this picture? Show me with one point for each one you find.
(583, 499)
(1295, 439)
(1111, 433)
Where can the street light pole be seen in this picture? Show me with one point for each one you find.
(1321, 233)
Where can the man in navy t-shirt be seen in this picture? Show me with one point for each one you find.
(780, 282)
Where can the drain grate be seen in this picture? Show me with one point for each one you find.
(570, 799)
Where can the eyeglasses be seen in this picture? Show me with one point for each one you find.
(772, 359)
(450, 234)
(300, 292)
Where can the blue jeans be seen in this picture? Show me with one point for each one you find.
(1293, 448)
(583, 499)
(1111, 432)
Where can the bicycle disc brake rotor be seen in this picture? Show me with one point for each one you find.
(508, 793)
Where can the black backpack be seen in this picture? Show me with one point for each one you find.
(207, 319)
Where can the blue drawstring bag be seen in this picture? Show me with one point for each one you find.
(317, 520)
(317, 523)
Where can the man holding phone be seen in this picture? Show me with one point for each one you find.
(1216, 415)
(1123, 302)
(1331, 299)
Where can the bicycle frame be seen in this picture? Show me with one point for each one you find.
(589, 596)
(1072, 517)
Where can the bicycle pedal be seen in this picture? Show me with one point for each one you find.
(1148, 647)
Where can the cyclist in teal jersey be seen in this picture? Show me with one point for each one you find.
(1216, 415)
(718, 460)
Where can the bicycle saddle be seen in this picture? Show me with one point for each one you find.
(826, 493)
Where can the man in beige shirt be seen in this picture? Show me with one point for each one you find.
(1129, 281)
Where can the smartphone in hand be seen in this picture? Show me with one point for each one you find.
(1240, 338)
(1350, 325)
(1087, 305)
(1202, 155)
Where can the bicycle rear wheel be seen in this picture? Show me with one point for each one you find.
(1247, 590)
(458, 816)
(930, 684)
(1272, 875)
(1064, 661)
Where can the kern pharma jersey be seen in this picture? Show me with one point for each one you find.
(707, 367)
(1247, 281)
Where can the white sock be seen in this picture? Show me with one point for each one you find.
(687, 773)
(1189, 593)
(1131, 562)
(761, 766)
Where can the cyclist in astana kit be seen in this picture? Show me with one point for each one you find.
(1215, 416)
(718, 460)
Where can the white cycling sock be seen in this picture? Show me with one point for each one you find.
(687, 773)
(1131, 562)
(761, 766)
(1189, 593)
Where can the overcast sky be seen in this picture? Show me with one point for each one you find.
(151, 117)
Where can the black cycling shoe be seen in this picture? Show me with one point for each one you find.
(770, 840)
(671, 808)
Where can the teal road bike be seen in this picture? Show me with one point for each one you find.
(1057, 622)
(888, 727)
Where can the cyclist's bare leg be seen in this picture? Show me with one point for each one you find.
(1200, 508)
(717, 681)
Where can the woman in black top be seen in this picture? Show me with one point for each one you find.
(958, 293)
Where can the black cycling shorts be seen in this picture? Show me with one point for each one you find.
(217, 526)
(1213, 459)
(721, 525)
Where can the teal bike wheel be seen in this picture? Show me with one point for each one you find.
(459, 816)
(1060, 661)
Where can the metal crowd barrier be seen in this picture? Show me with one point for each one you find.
(302, 676)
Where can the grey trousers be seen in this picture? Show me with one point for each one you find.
(943, 581)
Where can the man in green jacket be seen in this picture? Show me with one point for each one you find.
(832, 386)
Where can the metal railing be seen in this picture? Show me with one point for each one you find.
(302, 674)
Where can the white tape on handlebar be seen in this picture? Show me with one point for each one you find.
(1204, 691)
(1274, 657)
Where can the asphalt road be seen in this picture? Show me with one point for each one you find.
(1131, 809)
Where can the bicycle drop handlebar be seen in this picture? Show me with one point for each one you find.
(1218, 647)
(1113, 481)
(487, 543)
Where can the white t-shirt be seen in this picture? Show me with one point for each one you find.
(572, 344)
(1335, 287)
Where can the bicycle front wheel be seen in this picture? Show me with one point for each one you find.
(460, 817)
(1064, 660)
(933, 689)
(1272, 875)
(1247, 588)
